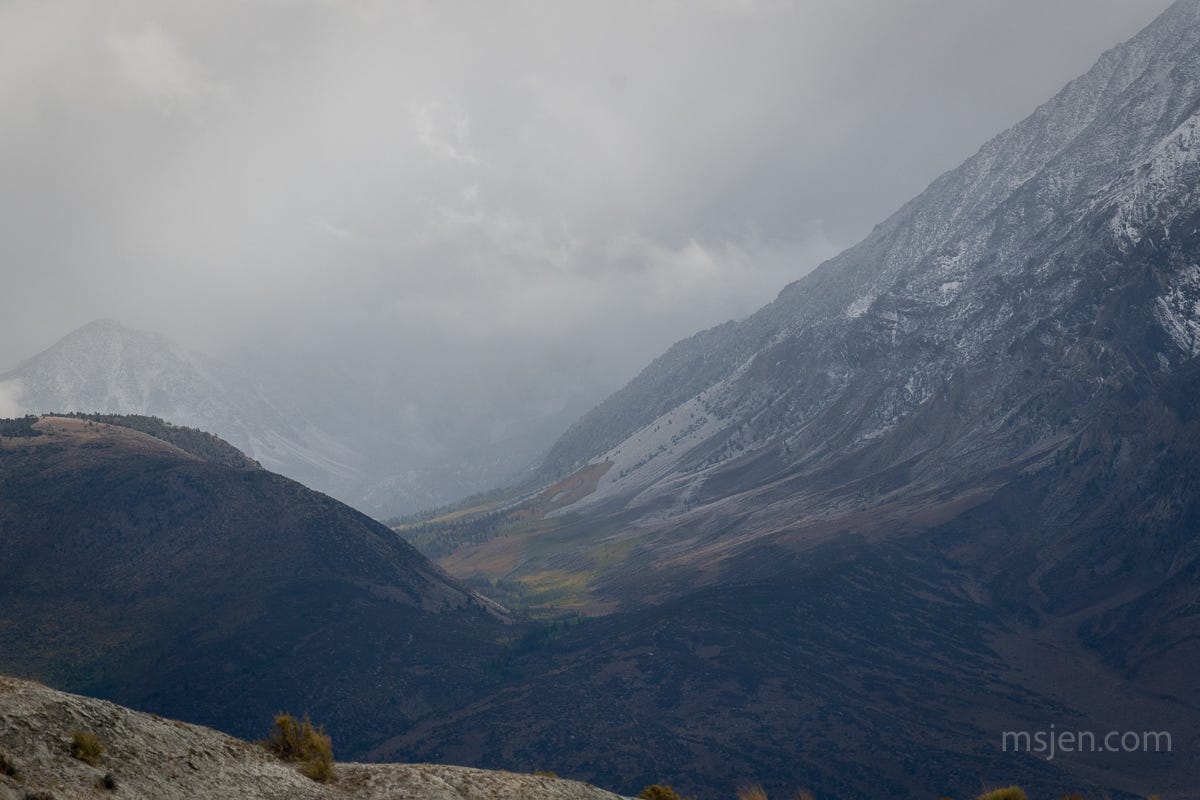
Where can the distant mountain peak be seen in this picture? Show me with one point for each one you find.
(308, 425)
(107, 367)
(103, 324)
(106, 330)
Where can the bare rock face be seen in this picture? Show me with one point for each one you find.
(146, 756)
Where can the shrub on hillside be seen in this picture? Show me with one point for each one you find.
(752, 792)
(318, 769)
(1007, 793)
(300, 742)
(659, 792)
(20, 428)
(87, 747)
(7, 767)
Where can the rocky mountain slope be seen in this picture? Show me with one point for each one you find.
(979, 334)
(988, 405)
(949, 279)
(160, 759)
(146, 574)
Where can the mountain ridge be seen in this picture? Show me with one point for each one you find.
(1007, 166)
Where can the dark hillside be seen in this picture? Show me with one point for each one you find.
(142, 573)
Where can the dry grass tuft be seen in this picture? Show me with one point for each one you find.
(87, 747)
(1007, 793)
(300, 742)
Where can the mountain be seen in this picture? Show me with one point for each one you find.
(1020, 307)
(161, 759)
(377, 452)
(942, 487)
(943, 274)
(144, 565)
(109, 368)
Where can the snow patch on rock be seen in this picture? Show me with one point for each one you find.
(1178, 311)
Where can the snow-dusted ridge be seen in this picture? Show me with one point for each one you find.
(995, 255)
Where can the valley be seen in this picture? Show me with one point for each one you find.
(942, 490)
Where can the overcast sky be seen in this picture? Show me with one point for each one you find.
(446, 192)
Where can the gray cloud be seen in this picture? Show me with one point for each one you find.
(511, 205)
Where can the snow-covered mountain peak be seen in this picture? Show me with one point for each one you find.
(107, 367)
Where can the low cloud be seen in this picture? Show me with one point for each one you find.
(154, 65)
(518, 203)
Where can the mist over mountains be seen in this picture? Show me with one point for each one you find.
(943, 488)
(468, 228)
(384, 454)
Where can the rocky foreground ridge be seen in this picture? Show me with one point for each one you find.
(150, 757)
